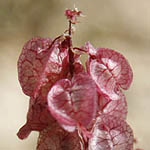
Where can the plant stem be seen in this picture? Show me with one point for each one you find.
(71, 54)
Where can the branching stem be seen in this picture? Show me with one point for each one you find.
(71, 54)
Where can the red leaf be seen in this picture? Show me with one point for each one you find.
(110, 70)
(38, 118)
(117, 108)
(73, 102)
(111, 133)
(88, 47)
(78, 67)
(31, 63)
(55, 138)
(40, 64)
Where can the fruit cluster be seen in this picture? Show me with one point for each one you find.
(72, 107)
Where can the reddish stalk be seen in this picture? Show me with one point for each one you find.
(82, 50)
(71, 54)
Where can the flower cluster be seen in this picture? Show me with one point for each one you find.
(72, 107)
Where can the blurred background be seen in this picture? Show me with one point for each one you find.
(120, 25)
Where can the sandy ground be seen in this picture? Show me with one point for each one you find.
(120, 25)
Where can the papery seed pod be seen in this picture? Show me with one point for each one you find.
(111, 133)
(55, 138)
(73, 102)
(110, 70)
(31, 63)
(41, 63)
(38, 118)
(117, 108)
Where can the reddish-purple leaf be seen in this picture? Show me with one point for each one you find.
(73, 102)
(55, 138)
(117, 108)
(111, 133)
(41, 63)
(88, 47)
(31, 63)
(78, 67)
(38, 118)
(110, 70)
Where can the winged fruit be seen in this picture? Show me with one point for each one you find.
(73, 107)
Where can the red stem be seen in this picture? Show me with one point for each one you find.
(54, 41)
(71, 67)
(70, 28)
(71, 54)
(82, 50)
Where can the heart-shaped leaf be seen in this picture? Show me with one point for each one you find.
(73, 102)
(55, 138)
(117, 108)
(41, 63)
(38, 118)
(31, 63)
(110, 70)
(111, 133)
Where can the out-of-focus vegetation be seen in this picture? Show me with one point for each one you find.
(120, 25)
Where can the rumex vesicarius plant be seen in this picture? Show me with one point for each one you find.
(71, 107)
